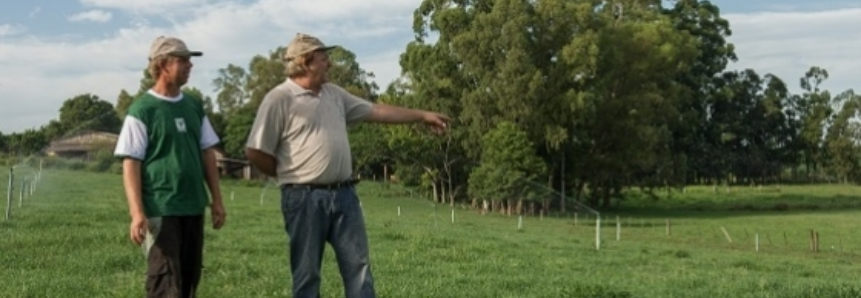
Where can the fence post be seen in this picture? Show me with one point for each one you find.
(21, 195)
(24, 187)
(9, 196)
(598, 232)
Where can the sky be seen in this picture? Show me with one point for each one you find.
(51, 51)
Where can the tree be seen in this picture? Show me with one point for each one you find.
(88, 112)
(146, 83)
(694, 139)
(236, 130)
(814, 109)
(124, 101)
(53, 130)
(582, 78)
(265, 72)
(230, 86)
(346, 72)
(369, 149)
(508, 164)
(434, 163)
(25, 143)
(3, 143)
(779, 129)
(841, 143)
(623, 93)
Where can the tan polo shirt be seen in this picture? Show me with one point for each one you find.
(307, 133)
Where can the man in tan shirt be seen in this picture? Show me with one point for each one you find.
(299, 136)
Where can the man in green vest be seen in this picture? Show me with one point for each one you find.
(167, 146)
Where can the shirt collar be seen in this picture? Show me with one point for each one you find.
(296, 89)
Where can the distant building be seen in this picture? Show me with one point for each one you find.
(85, 144)
(236, 168)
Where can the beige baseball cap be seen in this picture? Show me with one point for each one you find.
(302, 44)
(165, 45)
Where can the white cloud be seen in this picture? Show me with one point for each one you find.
(43, 72)
(149, 6)
(99, 16)
(787, 44)
(35, 11)
(9, 30)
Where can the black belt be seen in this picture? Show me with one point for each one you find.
(326, 186)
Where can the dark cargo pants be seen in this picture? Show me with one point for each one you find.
(174, 251)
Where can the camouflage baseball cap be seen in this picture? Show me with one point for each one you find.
(173, 46)
(303, 44)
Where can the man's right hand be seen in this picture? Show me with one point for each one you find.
(138, 228)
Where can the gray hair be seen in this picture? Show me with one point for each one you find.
(298, 66)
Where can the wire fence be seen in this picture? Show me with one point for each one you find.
(825, 231)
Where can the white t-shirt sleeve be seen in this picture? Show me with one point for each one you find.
(208, 137)
(132, 141)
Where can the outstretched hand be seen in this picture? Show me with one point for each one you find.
(438, 123)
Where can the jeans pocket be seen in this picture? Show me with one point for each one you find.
(293, 199)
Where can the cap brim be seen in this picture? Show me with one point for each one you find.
(187, 53)
(321, 49)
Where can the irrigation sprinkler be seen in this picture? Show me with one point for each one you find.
(578, 205)
(269, 182)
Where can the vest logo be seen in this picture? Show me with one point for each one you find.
(180, 124)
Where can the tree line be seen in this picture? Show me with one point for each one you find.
(587, 98)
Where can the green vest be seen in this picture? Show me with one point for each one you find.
(172, 174)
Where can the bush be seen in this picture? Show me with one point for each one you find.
(103, 161)
(116, 168)
(75, 165)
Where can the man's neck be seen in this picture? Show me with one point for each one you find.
(166, 89)
(307, 84)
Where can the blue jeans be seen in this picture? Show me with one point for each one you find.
(313, 217)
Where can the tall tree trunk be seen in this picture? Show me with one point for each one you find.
(562, 182)
(443, 194)
(386, 175)
(605, 197)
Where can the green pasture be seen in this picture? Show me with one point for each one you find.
(69, 239)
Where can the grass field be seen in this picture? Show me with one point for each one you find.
(70, 240)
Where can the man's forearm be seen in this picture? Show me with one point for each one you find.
(210, 167)
(132, 185)
(383, 113)
(262, 161)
